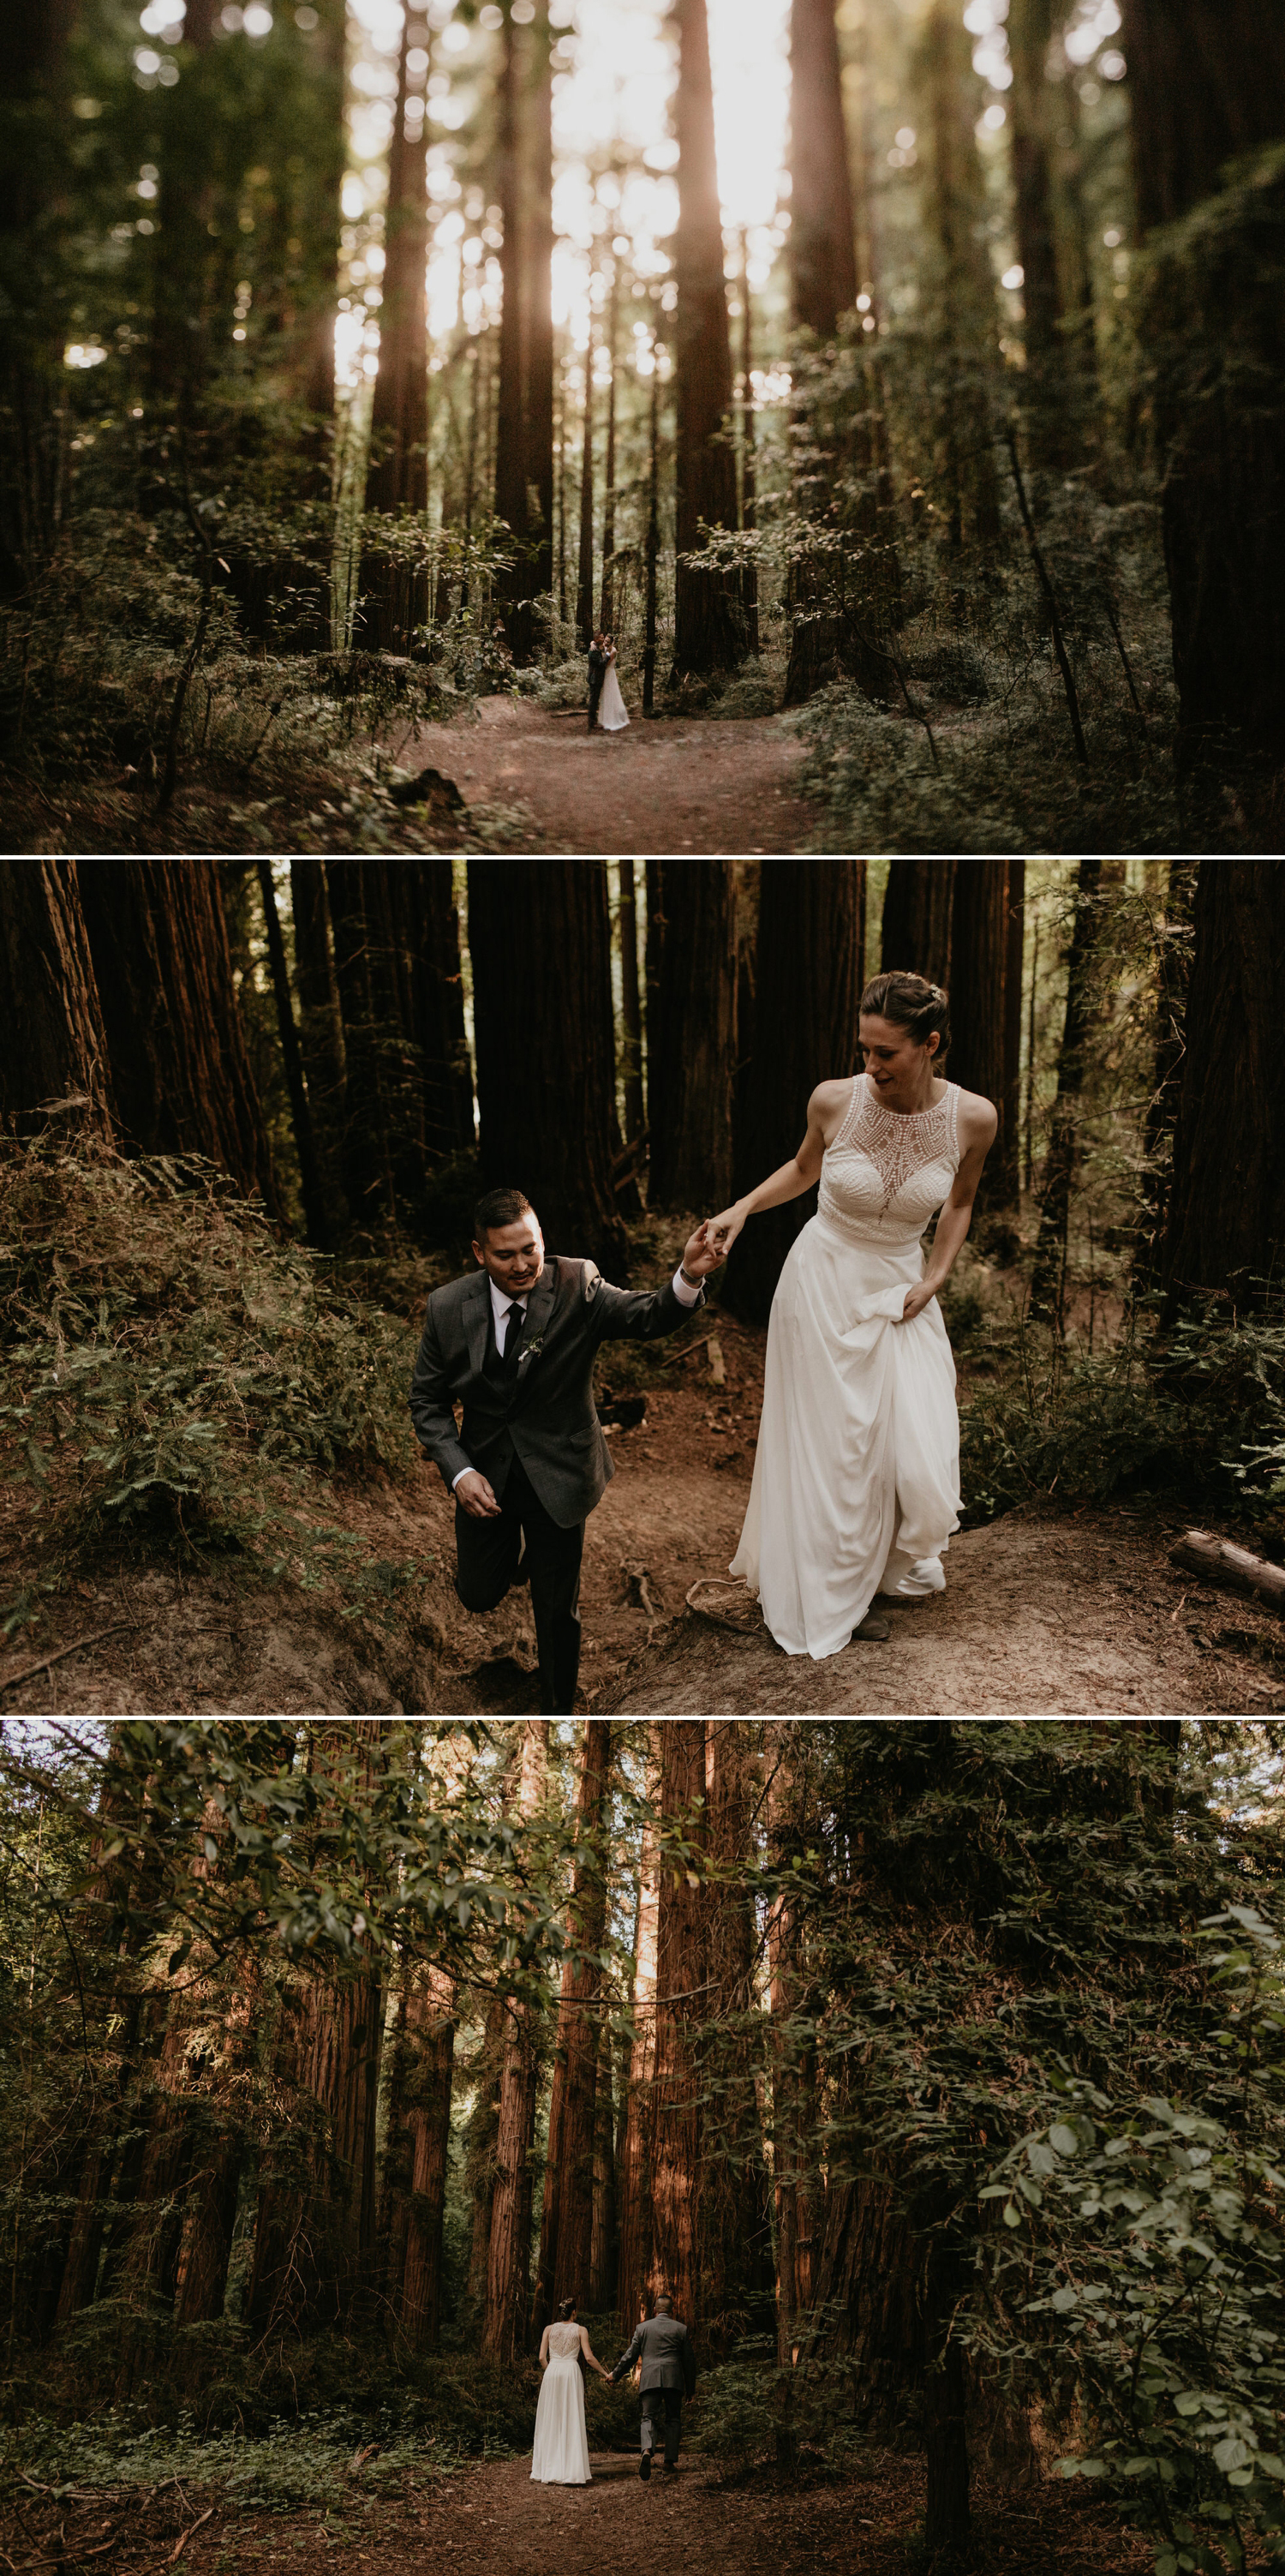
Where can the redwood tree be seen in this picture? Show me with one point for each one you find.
(53, 1046)
(979, 957)
(524, 423)
(1226, 1215)
(321, 1033)
(180, 1071)
(708, 620)
(416, 2154)
(540, 942)
(1046, 382)
(823, 260)
(676, 2104)
(567, 2229)
(509, 2250)
(691, 1029)
(633, 2161)
(917, 909)
(810, 970)
(1064, 1143)
(398, 475)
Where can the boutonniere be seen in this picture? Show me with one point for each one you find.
(531, 1350)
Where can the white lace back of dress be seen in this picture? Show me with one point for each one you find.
(563, 2341)
(868, 1173)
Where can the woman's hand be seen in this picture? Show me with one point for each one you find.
(722, 1231)
(916, 1300)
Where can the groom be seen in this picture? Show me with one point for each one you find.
(668, 2373)
(515, 1345)
(598, 659)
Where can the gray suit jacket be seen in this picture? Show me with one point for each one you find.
(547, 1420)
(664, 2347)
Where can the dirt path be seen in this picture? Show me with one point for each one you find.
(665, 788)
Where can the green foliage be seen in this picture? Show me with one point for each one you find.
(1150, 2233)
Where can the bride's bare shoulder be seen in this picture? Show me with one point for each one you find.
(978, 1118)
(830, 1098)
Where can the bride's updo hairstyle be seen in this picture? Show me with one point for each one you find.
(567, 2311)
(911, 1004)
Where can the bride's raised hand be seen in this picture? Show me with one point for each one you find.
(721, 1231)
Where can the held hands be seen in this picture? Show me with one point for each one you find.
(916, 1300)
(723, 1230)
(474, 1494)
(701, 1254)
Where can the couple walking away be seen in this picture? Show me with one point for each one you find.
(607, 710)
(856, 1474)
(663, 2347)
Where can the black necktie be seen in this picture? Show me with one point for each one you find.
(513, 1324)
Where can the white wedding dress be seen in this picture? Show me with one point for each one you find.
(561, 2454)
(613, 714)
(856, 1475)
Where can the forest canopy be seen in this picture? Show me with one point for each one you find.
(910, 367)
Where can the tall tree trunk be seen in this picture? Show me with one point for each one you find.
(917, 908)
(1009, 1155)
(633, 2164)
(1046, 384)
(510, 450)
(810, 970)
(372, 1132)
(708, 621)
(425, 928)
(749, 468)
(540, 348)
(567, 2229)
(321, 1033)
(180, 1071)
(631, 1005)
(823, 263)
(605, 611)
(691, 1029)
(1172, 924)
(53, 1046)
(524, 423)
(979, 955)
(584, 573)
(314, 1209)
(397, 478)
(1048, 1279)
(793, 2073)
(504, 2333)
(327, 165)
(602, 2235)
(736, 2233)
(947, 2519)
(417, 2153)
(479, 2152)
(540, 942)
(960, 299)
(676, 2146)
(1206, 85)
(1227, 1197)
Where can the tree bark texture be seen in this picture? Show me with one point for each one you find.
(1008, 1149)
(479, 2151)
(1227, 1200)
(1046, 384)
(567, 2229)
(1173, 939)
(602, 2237)
(979, 957)
(633, 2168)
(736, 2231)
(53, 1046)
(398, 474)
(960, 304)
(918, 906)
(584, 559)
(677, 2119)
(321, 1033)
(631, 1005)
(417, 2153)
(1048, 1278)
(708, 618)
(172, 1019)
(314, 1208)
(947, 2515)
(823, 262)
(524, 420)
(691, 1029)
(540, 941)
(793, 2059)
(1206, 84)
(504, 2331)
(809, 974)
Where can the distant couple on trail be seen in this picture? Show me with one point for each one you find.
(856, 1473)
(667, 2373)
(607, 710)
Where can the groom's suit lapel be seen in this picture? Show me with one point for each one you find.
(539, 1308)
(477, 1319)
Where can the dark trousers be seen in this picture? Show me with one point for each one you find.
(595, 692)
(487, 1555)
(668, 2401)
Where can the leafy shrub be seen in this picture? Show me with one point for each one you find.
(751, 693)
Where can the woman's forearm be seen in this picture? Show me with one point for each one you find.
(780, 1186)
(952, 1228)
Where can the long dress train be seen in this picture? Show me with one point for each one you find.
(613, 714)
(856, 1474)
(561, 2454)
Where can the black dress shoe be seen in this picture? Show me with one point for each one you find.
(644, 2466)
(671, 2468)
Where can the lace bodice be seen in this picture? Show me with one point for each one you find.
(886, 1173)
(563, 2342)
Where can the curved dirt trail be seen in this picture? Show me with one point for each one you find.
(714, 789)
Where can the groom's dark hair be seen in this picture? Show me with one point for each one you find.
(499, 1207)
(664, 2301)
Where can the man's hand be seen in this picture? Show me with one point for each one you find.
(700, 1253)
(476, 1497)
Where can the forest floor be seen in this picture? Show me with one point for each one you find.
(721, 787)
(488, 2520)
(1044, 1613)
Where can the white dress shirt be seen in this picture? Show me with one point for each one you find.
(502, 1306)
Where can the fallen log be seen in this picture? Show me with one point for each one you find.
(1201, 1552)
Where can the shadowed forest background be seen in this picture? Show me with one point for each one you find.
(901, 381)
(934, 2070)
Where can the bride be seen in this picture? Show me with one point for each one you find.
(856, 1474)
(613, 715)
(561, 2454)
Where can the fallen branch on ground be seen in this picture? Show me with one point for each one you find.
(1201, 1552)
(55, 1656)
